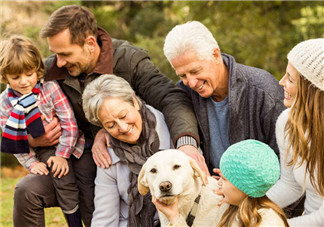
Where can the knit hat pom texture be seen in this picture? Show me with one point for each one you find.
(251, 166)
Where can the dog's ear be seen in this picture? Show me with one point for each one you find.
(198, 172)
(142, 182)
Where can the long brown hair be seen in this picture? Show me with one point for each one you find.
(247, 212)
(305, 130)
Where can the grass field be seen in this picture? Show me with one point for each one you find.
(9, 178)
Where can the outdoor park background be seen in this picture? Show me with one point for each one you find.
(258, 34)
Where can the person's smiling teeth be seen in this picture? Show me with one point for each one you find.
(287, 96)
(130, 130)
(201, 86)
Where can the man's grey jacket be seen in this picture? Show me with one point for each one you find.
(255, 101)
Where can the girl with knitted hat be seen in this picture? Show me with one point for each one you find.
(248, 170)
(300, 134)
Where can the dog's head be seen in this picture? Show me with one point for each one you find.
(168, 174)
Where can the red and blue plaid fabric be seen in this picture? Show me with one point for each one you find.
(24, 118)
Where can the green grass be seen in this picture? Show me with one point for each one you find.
(53, 216)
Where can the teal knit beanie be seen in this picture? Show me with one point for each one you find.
(251, 166)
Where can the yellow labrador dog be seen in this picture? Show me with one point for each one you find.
(171, 173)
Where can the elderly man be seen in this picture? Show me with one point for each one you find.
(232, 102)
(83, 52)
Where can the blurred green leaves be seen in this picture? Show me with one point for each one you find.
(259, 34)
(256, 33)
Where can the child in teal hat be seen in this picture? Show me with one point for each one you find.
(248, 170)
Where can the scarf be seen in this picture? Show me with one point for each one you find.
(141, 208)
(24, 118)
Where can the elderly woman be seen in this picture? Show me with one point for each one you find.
(136, 132)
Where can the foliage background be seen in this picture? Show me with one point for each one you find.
(256, 33)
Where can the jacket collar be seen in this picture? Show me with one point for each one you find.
(229, 62)
(104, 64)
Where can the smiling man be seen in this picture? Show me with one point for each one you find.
(232, 102)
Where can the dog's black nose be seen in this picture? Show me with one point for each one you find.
(165, 186)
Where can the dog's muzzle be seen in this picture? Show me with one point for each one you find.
(166, 196)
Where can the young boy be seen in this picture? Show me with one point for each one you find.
(23, 104)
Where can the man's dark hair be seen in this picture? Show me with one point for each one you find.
(78, 19)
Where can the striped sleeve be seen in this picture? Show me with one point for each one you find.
(26, 160)
(5, 109)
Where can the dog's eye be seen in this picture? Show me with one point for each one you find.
(176, 167)
(153, 170)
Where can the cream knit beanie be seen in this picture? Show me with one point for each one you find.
(308, 59)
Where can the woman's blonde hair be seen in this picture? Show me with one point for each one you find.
(247, 213)
(306, 132)
(18, 55)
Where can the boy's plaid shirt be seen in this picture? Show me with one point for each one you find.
(51, 102)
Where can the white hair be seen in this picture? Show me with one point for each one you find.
(104, 87)
(191, 36)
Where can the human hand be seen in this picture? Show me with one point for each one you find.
(171, 211)
(60, 166)
(50, 137)
(199, 158)
(99, 149)
(39, 168)
(219, 189)
(217, 171)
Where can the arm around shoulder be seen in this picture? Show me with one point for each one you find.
(160, 92)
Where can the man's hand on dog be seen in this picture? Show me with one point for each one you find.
(193, 152)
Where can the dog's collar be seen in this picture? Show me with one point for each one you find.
(192, 214)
